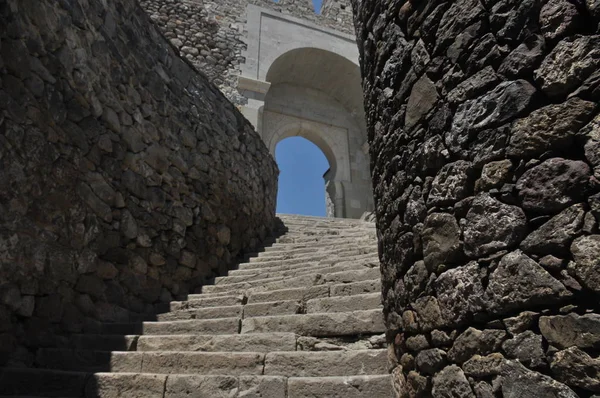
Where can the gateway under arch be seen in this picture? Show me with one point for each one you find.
(304, 80)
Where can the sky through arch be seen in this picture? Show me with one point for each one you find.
(301, 185)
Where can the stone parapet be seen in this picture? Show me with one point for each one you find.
(483, 125)
(127, 180)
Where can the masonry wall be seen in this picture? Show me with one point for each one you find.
(211, 33)
(127, 180)
(484, 131)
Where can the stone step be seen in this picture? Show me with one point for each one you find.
(323, 363)
(303, 280)
(200, 326)
(269, 308)
(297, 293)
(289, 218)
(370, 386)
(251, 342)
(249, 310)
(298, 271)
(338, 252)
(46, 383)
(315, 246)
(326, 324)
(223, 299)
(355, 288)
(235, 311)
(282, 265)
(269, 252)
(304, 293)
(330, 239)
(360, 302)
(289, 364)
(204, 363)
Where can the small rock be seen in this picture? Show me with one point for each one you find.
(549, 128)
(451, 383)
(519, 282)
(499, 106)
(431, 361)
(527, 348)
(476, 342)
(441, 240)
(422, 99)
(523, 59)
(576, 369)
(564, 331)
(558, 18)
(555, 236)
(493, 175)
(553, 185)
(484, 366)
(451, 184)
(586, 267)
(571, 62)
(520, 382)
(491, 226)
(460, 293)
(521, 323)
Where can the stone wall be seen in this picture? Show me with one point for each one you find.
(484, 132)
(126, 178)
(211, 33)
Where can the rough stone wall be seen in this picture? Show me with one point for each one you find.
(484, 131)
(211, 33)
(339, 10)
(126, 178)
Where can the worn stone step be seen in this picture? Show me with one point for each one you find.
(234, 311)
(200, 326)
(355, 288)
(324, 246)
(294, 272)
(263, 284)
(286, 307)
(337, 252)
(303, 280)
(328, 324)
(287, 265)
(225, 299)
(172, 362)
(251, 342)
(323, 363)
(369, 386)
(345, 237)
(359, 302)
(270, 253)
(297, 293)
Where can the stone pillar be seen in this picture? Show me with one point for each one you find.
(484, 133)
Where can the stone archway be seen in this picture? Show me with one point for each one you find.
(316, 94)
(304, 80)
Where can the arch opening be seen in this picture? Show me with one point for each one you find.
(304, 172)
(317, 94)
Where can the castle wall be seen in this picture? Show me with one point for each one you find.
(484, 132)
(212, 33)
(127, 180)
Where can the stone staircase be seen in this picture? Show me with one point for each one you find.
(301, 319)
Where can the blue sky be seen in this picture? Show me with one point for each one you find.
(301, 185)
